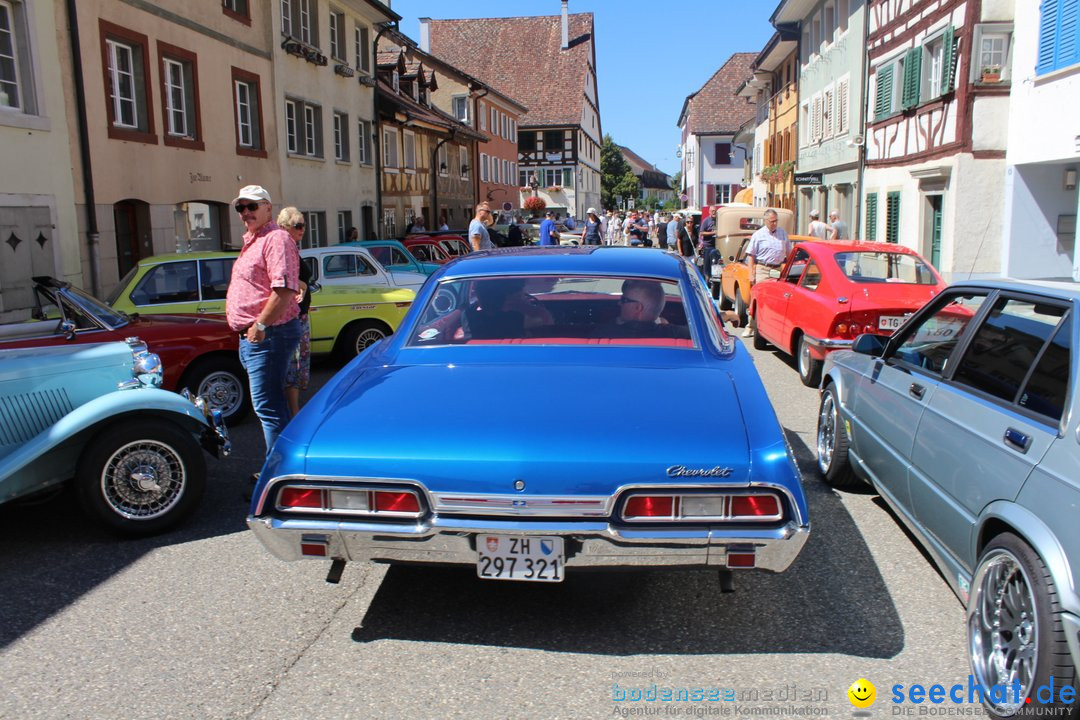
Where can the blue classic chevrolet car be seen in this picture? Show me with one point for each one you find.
(967, 422)
(554, 367)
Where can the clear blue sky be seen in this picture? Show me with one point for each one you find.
(650, 54)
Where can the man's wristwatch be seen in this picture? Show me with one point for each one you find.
(259, 326)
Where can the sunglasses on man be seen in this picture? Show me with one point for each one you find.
(250, 207)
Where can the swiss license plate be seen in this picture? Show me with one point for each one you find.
(520, 557)
(890, 322)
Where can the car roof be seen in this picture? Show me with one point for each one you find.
(568, 260)
(1057, 288)
(173, 257)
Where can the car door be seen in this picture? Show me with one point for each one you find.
(806, 310)
(772, 312)
(175, 284)
(990, 423)
(889, 402)
(214, 276)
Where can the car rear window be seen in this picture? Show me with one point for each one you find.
(554, 310)
(868, 266)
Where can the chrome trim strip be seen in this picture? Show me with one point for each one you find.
(828, 343)
(524, 505)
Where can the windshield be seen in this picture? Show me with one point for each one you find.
(555, 310)
(878, 267)
(101, 311)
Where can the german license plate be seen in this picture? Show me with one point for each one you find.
(520, 557)
(890, 322)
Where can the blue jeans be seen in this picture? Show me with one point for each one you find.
(266, 363)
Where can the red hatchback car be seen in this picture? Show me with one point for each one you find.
(827, 293)
(197, 352)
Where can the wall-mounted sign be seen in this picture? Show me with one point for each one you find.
(808, 178)
(508, 206)
(553, 157)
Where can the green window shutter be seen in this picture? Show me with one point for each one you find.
(912, 77)
(948, 60)
(871, 216)
(892, 217)
(883, 101)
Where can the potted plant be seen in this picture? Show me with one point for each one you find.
(534, 205)
(991, 74)
(554, 188)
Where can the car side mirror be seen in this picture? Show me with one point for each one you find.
(869, 344)
(774, 274)
(67, 329)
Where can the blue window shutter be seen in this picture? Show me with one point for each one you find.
(1047, 35)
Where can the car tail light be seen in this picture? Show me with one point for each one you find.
(301, 498)
(703, 507)
(650, 507)
(740, 559)
(396, 501)
(351, 501)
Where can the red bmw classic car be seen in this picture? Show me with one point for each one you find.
(198, 352)
(828, 293)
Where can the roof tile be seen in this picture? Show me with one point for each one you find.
(715, 109)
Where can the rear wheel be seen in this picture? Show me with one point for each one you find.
(740, 307)
(725, 303)
(809, 366)
(832, 444)
(1015, 633)
(359, 336)
(221, 382)
(141, 476)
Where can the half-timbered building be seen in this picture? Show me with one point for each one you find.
(936, 133)
(547, 63)
(416, 140)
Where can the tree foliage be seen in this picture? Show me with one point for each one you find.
(616, 177)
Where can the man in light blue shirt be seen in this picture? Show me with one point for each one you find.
(478, 234)
(548, 236)
(672, 230)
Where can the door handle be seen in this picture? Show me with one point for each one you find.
(787, 295)
(916, 391)
(1017, 440)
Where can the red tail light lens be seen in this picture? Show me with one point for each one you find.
(386, 501)
(292, 497)
(740, 559)
(649, 506)
(755, 506)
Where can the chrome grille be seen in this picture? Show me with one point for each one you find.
(24, 416)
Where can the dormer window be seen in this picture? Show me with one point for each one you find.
(416, 90)
(395, 80)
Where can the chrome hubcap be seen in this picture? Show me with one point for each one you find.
(1003, 629)
(367, 338)
(222, 391)
(826, 433)
(143, 480)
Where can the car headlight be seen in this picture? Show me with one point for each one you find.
(147, 367)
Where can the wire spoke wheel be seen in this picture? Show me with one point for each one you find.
(143, 480)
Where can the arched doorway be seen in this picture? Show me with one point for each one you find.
(131, 219)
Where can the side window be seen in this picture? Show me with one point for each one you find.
(363, 266)
(1048, 383)
(381, 254)
(812, 277)
(398, 258)
(1006, 346)
(338, 266)
(928, 344)
(312, 266)
(168, 283)
(741, 257)
(799, 261)
(214, 277)
(422, 252)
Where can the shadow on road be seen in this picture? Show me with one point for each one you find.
(831, 600)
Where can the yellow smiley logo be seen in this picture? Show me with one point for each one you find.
(862, 693)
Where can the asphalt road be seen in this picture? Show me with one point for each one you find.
(203, 623)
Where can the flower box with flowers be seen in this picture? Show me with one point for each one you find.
(554, 188)
(524, 189)
(991, 74)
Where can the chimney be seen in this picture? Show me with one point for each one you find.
(565, 26)
(425, 34)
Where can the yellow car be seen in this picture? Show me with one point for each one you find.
(345, 319)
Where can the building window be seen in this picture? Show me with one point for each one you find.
(827, 109)
(1058, 47)
(363, 142)
(362, 50)
(337, 35)
(180, 97)
(463, 157)
(299, 20)
(992, 43)
(247, 110)
(887, 90)
(553, 141)
(341, 137)
(460, 105)
(484, 167)
(871, 216)
(390, 148)
(312, 126)
(237, 10)
(892, 217)
(292, 131)
(125, 57)
(315, 236)
(15, 79)
(722, 154)
(390, 222)
(444, 168)
(816, 124)
(408, 145)
(840, 114)
(482, 113)
(506, 172)
(395, 81)
(344, 222)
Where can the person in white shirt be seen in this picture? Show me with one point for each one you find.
(817, 228)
